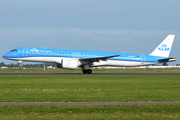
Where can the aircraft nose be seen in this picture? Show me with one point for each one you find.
(6, 55)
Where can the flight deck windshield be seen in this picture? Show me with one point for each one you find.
(14, 50)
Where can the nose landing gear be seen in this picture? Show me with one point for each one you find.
(20, 65)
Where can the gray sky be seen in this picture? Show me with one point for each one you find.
(131, 26)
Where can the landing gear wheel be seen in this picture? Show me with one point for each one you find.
(89, 71)
(84, 71)
(21, 68)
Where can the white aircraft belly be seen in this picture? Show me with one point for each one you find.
(40, 59)
(121, 63)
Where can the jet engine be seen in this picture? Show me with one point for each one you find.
(69, 64)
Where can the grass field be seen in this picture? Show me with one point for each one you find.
(117, 88)
(92, 88)
(159, 112)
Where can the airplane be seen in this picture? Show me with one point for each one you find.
(74, 59)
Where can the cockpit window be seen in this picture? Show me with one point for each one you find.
(14, 50)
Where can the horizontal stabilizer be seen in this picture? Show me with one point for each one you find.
(167, 59)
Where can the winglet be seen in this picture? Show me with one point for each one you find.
(164, 48)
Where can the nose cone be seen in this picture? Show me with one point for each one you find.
(6, 55)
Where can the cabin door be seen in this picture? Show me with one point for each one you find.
(142, 59)
(25, 52)
(74, 55)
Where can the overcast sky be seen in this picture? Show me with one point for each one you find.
(131, 26)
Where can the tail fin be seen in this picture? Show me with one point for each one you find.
(164, 48)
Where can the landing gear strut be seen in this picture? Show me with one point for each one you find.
(89, 71)
(20, 65)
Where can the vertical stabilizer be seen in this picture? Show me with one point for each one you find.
(164, 48)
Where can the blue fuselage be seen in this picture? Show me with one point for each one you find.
(47, 55)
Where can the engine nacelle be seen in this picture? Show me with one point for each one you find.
(69, 64)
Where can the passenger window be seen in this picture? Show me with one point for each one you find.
(44, 52)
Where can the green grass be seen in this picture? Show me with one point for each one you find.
(92, 88)
(132, 112)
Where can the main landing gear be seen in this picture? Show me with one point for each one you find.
(88, 71)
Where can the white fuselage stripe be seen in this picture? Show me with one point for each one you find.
(100, 63)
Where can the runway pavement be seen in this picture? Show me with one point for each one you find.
(91, 103)
(95, 74)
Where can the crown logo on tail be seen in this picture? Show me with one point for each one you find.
(163, 45)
